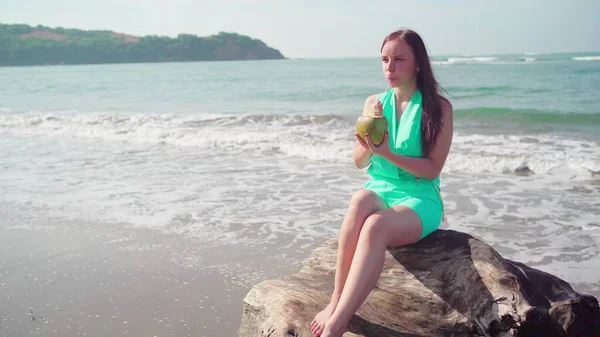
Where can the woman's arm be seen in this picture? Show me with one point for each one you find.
(430, 167)
(362, 154)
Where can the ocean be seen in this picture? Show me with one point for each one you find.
(151, 197)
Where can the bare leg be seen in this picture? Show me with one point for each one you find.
(363, 204)
(396, 226)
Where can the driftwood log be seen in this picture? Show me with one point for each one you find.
(448, 284)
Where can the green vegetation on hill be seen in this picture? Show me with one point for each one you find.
(25, 45)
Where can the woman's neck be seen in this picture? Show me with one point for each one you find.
(405, 92)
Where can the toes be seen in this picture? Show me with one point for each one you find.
(316, 328)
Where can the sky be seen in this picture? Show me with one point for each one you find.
(337, 28)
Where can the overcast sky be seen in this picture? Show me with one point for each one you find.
(337, 28)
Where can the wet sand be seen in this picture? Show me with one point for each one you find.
(54, 283)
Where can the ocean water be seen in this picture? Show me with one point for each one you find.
(254, 157)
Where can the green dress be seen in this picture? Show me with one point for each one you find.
(396, 186)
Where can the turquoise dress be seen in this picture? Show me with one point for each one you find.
(396, 186)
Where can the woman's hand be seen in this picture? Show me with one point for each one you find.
(382, 149)
(362, 142)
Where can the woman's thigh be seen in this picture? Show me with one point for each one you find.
(407, 221)
(429, 212)
(394, 226)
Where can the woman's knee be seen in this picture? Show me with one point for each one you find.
(362, 204)
(366, 202)
(375, 226)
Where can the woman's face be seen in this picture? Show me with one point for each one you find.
(398, 63)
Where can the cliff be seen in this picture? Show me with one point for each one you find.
(26, 45)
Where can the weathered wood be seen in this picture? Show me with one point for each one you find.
(448, 284)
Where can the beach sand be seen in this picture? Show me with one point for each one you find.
(61, 277)
(54, 283)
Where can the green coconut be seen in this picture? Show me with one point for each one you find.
(372, 122)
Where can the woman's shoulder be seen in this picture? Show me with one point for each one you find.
(372, 99)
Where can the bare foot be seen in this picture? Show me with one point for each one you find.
(318, 323)
(333, 329)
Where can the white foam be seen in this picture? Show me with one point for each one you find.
(316, 138)
(212, 193)
(467, 60)
(307, 137)
(476, 59)
(503, 153)
(586, 58)
(529, 59)
(486, 60)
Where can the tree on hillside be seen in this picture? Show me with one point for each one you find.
(25, 45)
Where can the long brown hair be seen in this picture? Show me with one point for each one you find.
(431, 119)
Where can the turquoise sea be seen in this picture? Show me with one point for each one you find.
(247, 165)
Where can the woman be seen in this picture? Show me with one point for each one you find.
(401, 203)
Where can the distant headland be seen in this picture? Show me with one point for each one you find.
(22, 45)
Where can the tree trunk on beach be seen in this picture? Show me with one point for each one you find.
(448, 284)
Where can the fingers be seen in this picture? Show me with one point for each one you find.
(361, 141)
(370, 143)
(377, 148)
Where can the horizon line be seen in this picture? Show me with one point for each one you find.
(532, 54)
